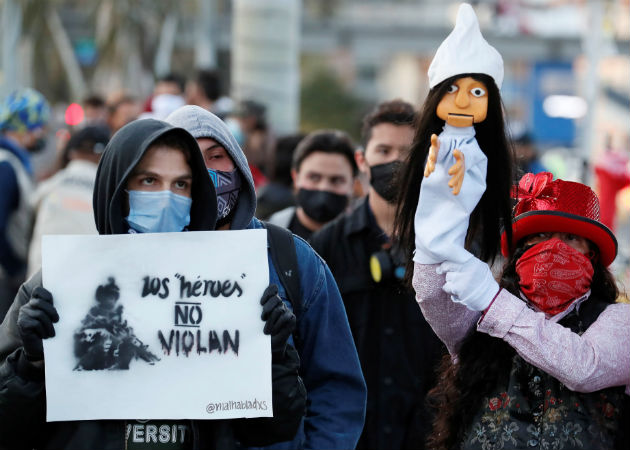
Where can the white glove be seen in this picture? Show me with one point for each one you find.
(470, 283)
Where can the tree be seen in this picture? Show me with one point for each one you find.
(326, 103)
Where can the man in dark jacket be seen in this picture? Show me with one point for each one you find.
(323, 171)
(397, 348)
(146, 156)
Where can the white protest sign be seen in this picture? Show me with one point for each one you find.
(157, 326)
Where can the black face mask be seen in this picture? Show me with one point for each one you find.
(321, 206)
(383, 180)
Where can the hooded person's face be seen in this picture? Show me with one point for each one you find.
(162, 169)
(224, 176)
(214, 155)
(159, 191)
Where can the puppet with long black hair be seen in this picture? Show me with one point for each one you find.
(539, 359)
(442, 218)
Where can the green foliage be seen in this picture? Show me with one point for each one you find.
(327, 103)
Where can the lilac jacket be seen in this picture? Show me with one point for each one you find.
(595, 360)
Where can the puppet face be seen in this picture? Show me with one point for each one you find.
(465, 103)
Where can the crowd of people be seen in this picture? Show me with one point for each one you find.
(422, 293)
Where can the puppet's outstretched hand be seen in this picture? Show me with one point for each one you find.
(457, 171)
(432, 158)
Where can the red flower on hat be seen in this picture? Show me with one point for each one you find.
(535, 192)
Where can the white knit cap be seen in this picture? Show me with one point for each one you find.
(465, 51)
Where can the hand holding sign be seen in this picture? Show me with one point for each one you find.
(279, 320)
(35, 322)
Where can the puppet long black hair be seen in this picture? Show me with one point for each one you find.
(494, 209)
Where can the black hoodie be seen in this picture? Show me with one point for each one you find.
(123, 153)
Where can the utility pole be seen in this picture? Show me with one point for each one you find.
(592, 46)
(10, 31)
(162, 62)
(205, 50)
(265, 58)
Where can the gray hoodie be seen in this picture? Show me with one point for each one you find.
(203, 124)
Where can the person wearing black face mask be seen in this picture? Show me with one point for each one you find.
(397, 348)
(323, 172)
(23, 118)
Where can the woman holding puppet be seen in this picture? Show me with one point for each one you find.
(537, 359)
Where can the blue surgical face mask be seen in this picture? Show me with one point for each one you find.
(158, 212)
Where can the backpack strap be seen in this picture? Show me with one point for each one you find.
(284, 257)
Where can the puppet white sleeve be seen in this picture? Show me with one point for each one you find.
(441, 220)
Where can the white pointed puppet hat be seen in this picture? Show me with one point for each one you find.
(465, 51)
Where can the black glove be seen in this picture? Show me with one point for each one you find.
(35, 322)
(279, 320)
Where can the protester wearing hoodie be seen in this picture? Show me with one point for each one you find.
(329, 362)
(146, 160)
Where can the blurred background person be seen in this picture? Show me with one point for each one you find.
(167, 96)
(277, 194)
(397, 348)
(23, 118)
(612, 173)
(121, 111)
(95, 110)
(63, 203)
(162, 105)
(172, 83)
(323, 172)
(248, 124)
(526, 154)
(204, 90)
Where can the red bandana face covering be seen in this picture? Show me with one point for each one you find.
(553, 274)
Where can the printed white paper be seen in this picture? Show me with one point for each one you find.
(157, 326)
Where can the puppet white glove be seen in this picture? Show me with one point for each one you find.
(470, 283)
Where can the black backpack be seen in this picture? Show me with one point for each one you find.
(284, 258)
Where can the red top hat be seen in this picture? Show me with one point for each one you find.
(545, 205)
